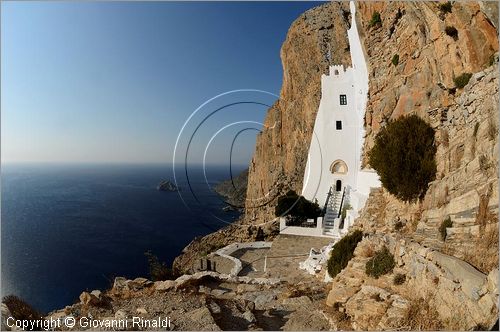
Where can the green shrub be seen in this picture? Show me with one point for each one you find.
(404, 157)
(296, 207)
(21, 310)
(381, 263)
(445, 7)
(399, 279)
(444, 225)
(452, 32)
(395, 59)
(342, 252)
(158, 270)
(376, 20)
(462, 80)
(346, 207)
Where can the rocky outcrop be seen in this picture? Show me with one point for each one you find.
(452, 293)
(205, 301)
(317, 39)
(234, 190)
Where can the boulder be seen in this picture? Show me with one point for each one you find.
(120, 284)
(141, 311)
(121, 314)
(249, 316)
(163, 286)
(90, 298)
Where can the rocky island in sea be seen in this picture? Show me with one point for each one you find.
(167, 185)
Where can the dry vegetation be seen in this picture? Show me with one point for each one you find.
(484, 255)
(421, 316)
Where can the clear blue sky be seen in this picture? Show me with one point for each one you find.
(114, 82)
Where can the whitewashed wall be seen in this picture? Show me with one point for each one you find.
(329, 144)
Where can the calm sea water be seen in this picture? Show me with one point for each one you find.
(68, 228)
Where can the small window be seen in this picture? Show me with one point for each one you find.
(339, 125)
(343, 100)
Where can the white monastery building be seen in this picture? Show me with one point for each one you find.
(333, 175)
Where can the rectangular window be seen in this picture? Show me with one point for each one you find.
(343, 100)
(339, 125)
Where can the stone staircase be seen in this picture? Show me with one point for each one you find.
(428, 234)
(333, 207)
(463, 230)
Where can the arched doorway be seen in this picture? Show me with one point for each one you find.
(338, 185)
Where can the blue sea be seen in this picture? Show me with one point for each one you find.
(70, 228)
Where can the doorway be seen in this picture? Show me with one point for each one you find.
(338, 185)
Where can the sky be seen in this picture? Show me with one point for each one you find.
(115, 82)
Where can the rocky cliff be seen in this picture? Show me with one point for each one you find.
(234, 190)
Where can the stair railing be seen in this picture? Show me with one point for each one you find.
(341, 203)
(328, 196)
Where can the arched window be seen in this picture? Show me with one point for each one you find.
(338, 167)
(336, 72)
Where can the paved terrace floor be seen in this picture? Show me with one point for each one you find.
(283, 258)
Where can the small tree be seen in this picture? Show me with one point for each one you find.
(342, 252)
(404, 157)
(381, 263)
(296, 208)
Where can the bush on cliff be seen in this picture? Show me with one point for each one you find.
(158, 270)
(296, 208)
(342, 252)
(404, 157)
(21, 310)
(395, 59)
(376, 20)
(381, 263)
(445, 7)
(462, 80)
(447, 223)
(452, 32)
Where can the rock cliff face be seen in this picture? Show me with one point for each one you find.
(317, 39)
(429, 59)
